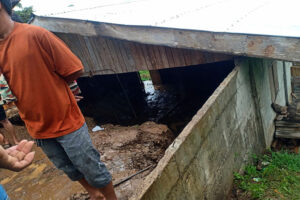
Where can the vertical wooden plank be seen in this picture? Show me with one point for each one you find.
(74, 44)
(158, 57)
(135, 56)
(295, 71)
(208, 57)
(63, 37)
(119, 55)
(193, 57)
(99, 53)
(146, 55)
(105, 54)
(83, 51)
(197, 57)
(122, 56)
(170, 57)
(129, 55)
(177, 57)
(116, 65)
(140, 55)
(184, 55)
(187, 57)
(164, 57)
(153, 60)
(115, 54)
(96, 62)
(181, 56)
(155, 77)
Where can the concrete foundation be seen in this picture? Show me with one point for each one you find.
(235, 122)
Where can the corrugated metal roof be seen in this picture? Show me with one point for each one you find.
(263, 17)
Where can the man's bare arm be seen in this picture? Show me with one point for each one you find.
(69, 79)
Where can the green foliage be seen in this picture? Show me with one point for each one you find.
(24, 13)
(279, 177)
(145, 75)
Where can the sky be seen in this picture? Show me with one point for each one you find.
(270, 17)
(44, 4)
(52, 6)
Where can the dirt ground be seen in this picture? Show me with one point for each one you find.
(125, 151)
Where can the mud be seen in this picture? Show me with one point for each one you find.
(125, 151)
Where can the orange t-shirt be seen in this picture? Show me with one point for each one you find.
(34, 63)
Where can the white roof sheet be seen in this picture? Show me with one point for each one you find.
(264, 17)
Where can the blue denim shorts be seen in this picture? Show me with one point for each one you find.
(75, 154)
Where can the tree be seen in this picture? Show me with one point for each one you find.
(24, 13)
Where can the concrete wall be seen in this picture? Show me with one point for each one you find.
(288, 80)
(235, 122)
(260, 76)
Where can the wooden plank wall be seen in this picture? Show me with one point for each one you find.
(295, 70)
(108, 56)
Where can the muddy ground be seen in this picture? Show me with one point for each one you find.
(125, 151)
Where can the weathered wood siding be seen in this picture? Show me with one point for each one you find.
(295, 70)
(239, 44)
(102, 55)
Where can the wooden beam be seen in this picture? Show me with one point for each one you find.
(59, 25)
(155, 77)
(287, 134)
(287, 129)
(274, 47)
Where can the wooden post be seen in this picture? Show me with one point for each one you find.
(156, 79)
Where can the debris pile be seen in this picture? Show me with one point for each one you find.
(128, 150)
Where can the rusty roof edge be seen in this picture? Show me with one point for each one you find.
(262, 46)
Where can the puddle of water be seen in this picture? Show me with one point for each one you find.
(149, 88)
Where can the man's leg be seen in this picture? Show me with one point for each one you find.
(59, 158)
(94, 192)
(86, 159)
(106, 192)
(10, 129)
(109, 191)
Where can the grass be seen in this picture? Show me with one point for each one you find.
(145, 75)
(276, 176)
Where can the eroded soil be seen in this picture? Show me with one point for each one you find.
(125, 151)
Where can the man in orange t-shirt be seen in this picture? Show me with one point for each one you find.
(38, 67)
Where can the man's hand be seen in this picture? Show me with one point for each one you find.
(78, 98)
(17, 157)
